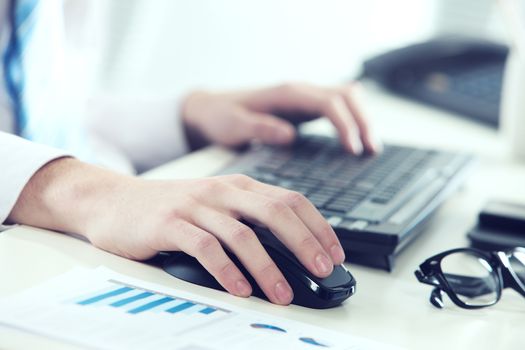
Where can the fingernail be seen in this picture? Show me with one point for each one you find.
(283, 292)
(323, 264)
(338, 254)
(243, 288)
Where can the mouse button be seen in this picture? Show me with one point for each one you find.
(274, 246)
(340, 277)
(289, 265)
(283, 257)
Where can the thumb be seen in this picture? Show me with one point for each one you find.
(267, 128)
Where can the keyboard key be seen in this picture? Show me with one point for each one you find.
(380, 200)
(336, 182)
(334, 220)
(354, 225)
(292, 172)
(319, 200)
(339, 206)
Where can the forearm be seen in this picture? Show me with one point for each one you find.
(64, 194)
(148, 131)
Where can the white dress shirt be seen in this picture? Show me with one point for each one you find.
(20, 158)
(122, 133)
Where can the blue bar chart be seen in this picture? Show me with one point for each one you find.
(134, 300)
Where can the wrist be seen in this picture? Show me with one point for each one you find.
(66, 195)
(190, 118)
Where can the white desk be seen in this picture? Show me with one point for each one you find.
(389, 307)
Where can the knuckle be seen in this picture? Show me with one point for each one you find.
(228, 269)
(294, 199)
(275, 207)
(241, 180)
(211, 185)
(308, 242)
(327, 231)
(205, 244)
(241, 233)
(174, 213)
(268, 269)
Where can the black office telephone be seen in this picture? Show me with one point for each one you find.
(458, 74)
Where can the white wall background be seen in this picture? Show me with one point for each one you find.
(164, 46)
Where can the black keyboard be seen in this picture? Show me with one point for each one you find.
(360, 196)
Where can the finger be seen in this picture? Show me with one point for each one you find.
(266, 127)
(370, 141)
(243, 242)
(209, 252)
(285, 224)
(336, 110)
(310, 216)
(313, 100)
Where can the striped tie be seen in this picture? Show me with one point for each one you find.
(21, 16)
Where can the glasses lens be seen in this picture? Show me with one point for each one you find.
(471, 278)
(517, 262)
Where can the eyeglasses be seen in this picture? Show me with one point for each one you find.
(473, 278)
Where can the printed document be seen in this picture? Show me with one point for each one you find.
(101, 309)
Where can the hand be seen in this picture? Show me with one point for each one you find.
(235, 118)
(137, 218)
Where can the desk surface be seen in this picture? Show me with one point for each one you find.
(389, 307)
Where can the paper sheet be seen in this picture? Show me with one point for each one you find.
(102, 309)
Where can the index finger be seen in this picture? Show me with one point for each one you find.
(350, 95)
(310, 216)
(286, 225)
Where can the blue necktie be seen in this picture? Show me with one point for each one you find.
(21, 16)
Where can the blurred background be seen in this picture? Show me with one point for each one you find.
(166, 46)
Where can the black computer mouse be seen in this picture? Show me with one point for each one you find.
(309, 290)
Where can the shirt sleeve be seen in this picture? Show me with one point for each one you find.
(149, 131)
(21, 159)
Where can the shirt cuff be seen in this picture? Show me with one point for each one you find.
(21, 159)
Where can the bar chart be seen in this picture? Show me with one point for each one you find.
(100, 308)
(134, 300)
